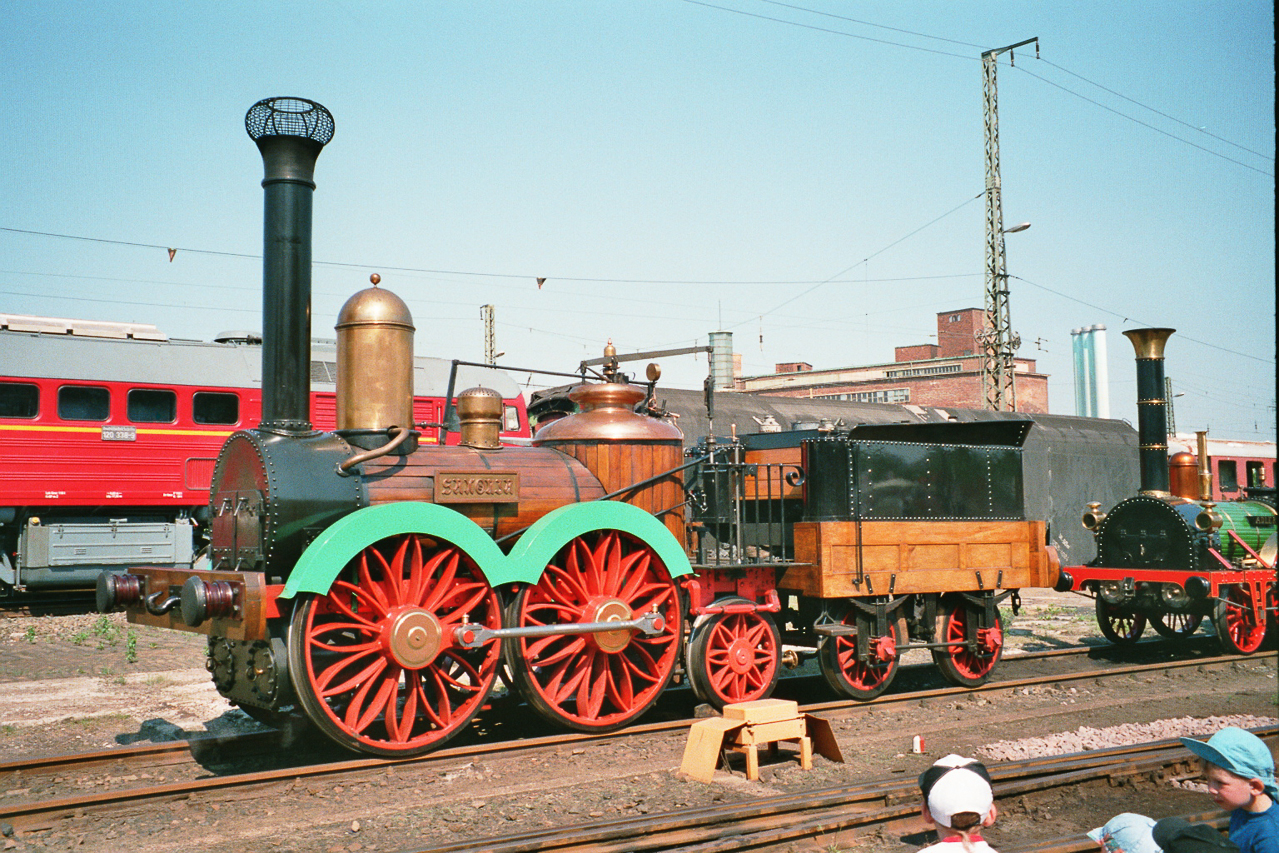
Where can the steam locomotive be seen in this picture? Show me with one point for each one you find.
(377, 585)
(1171, 555)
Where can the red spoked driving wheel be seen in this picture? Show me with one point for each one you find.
(1235, 619)
(734, 657)
(600, 681)
(973, 646)
(374, 662)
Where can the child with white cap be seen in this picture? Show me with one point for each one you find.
(957, 796)
(1240, 772)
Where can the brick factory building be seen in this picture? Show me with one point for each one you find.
(947, 373)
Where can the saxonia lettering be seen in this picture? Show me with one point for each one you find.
(477, 487)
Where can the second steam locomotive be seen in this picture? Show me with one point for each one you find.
(1171, 555)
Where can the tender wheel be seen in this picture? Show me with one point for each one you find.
(373, 662)
(734, 657)
(1176, 626)
(1237, 625)
(1118, 625)
(596, 682)
(862, 679)
(976, 647)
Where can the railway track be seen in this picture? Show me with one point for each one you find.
(61, 603)
(848, 811)
(129, 775)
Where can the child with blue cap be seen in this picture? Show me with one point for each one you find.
(1126, 833)
(1240, 772)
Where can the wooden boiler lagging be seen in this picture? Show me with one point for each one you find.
(621, 448)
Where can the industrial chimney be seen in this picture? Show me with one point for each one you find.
(1152, 407)
(289, 132)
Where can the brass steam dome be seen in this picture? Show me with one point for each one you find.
(375, 361)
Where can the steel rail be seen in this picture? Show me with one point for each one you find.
(64, 763)
(789, 818)
(174, 752)
(45, 813)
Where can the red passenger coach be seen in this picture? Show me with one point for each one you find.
(109, 433)
(1235, 466)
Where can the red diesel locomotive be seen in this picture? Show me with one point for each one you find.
(109, 433)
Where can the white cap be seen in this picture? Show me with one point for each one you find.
(954, 785)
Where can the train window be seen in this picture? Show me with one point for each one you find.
(19, 400)
(213, 408)
(1256, 473)
(152, 406)
(1228, 476)
(83, 403)
(512, 419)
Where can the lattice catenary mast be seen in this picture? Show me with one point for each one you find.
(997, 339)
(490, 339)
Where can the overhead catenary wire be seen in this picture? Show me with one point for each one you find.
(753, 318)
(1260, 154)
(863, 260)
(971, 58)
(744, 13)
(368, 265)
(1128, 319)
(872, 24)
(1160, 131)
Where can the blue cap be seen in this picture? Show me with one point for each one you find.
(1126, 833)
(1240, 752)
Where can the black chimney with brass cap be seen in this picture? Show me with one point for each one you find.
(290, 133)
(1152, 407)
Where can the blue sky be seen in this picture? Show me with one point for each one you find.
(671, 168)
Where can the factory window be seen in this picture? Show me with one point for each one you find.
(19, 400)
(1228, 475)
(890, 395)
(211, 408)
(1256, 473)
(152, 406)
(923, 371)
(83, 403)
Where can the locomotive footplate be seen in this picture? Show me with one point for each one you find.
(1199, 585)
(235, 605)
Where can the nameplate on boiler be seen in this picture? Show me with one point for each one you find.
(473, 487)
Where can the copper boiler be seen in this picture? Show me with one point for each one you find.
(622, 448)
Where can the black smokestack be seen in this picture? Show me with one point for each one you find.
(1152, 406)
(289, 132)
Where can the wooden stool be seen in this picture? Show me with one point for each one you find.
(748, 725)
